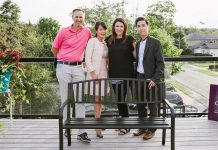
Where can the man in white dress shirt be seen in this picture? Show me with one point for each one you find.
(149, 65)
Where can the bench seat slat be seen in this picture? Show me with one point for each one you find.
(124, 118)
(134, 123)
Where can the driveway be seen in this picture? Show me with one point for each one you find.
(197, 82)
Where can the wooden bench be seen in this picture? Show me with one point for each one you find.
(156, 95)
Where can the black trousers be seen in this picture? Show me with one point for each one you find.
(142, 110)
(120, 90)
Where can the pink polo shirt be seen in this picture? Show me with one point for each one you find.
(71, 45)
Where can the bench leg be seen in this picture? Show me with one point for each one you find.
(61, 138)
(69, 137)
(173, 138)
(163, 136)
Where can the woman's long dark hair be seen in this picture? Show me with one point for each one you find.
(114, 35)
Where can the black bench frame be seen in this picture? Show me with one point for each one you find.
(110, 122)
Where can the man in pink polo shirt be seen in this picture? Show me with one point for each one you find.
(69, 46)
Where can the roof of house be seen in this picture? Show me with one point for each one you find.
(198, 36)
(206, 46)
(211, 45)
(197, 45)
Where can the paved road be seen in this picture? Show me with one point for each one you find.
(197, 82)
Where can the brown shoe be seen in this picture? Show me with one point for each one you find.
(148, 135)
(139, 132)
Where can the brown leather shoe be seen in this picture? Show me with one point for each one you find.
(148, 135)
(139, 132)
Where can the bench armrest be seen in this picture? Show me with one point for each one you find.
(61, 110)
(171, 107)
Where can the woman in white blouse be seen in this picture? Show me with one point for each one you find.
(96, 58)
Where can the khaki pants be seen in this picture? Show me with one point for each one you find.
(66, 74)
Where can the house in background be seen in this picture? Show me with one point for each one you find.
(203, 43)
(207, 48)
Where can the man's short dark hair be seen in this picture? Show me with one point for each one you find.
(140, 19)
(77, 10)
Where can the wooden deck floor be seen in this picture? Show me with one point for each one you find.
(191, 134)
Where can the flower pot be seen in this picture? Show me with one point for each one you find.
(4, 81)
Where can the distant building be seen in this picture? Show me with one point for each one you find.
(207, 48)
(203, 43)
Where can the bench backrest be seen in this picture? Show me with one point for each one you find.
(85, 92)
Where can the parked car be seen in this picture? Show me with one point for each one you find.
(174, 97)
(105, 109)
(171, 95)
(184, 109)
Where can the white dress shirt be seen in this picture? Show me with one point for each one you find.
(140, 68)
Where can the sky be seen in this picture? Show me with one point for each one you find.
(189, 13)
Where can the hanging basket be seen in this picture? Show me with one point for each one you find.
(4, 81)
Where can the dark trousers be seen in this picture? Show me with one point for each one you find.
(120, 91)
(142, 110)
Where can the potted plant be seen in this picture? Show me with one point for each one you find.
(8, 65)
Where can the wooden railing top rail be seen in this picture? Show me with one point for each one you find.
(167, 59)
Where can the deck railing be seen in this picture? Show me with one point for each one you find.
(213, 60)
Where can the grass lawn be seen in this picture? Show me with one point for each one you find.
(204, 64)
(207, 72)
(181, 87)
(205, 68)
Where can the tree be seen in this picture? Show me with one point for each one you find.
(163, 8)
(48, 27)
(169, 49)
(9, 26)
(28, 83)
(10, 35)
(9, 12)
(180, 42)
(161, 15)
(104, 11)
(190, 30)
(132, 29)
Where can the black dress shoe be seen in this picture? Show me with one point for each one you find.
(84, 138)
